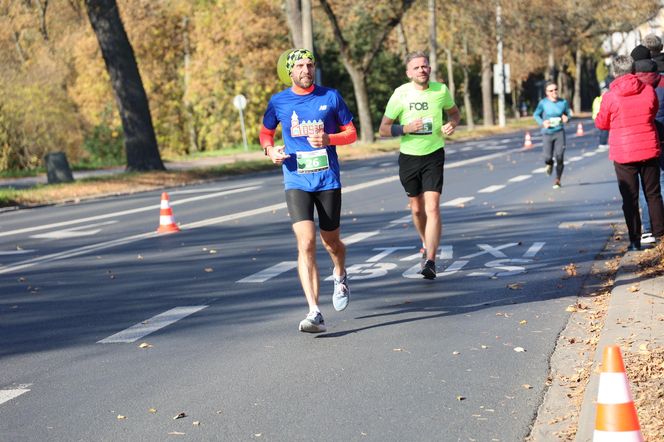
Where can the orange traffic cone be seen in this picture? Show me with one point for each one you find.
(166, 220)
(616, 414)
(528, 142)
(579, 130)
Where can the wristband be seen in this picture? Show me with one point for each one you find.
(265, 149)
(396, 130)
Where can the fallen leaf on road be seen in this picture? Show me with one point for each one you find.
(180, 415)
(501, 213)
(527, 386)
(519, 349)
(570, 308)
(120, 417)
(196, 423)
(397, 349)
(152, 410)
(570, 269)
(144, 345)
(176, 433)
(209, 269)
(634, 288)
(456, 353)
(460, 398)
(515, 286)
(523, 322)
(484, 346)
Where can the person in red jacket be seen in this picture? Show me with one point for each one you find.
(628, 112)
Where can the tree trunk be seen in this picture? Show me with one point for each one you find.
(186, 104)
(467, 104)
(487, 96)
(450, 73)
(140, 141)
(402, 41)
(359, 79)
(433, 45)
(307, 26)
(577, 81)
(294, 20)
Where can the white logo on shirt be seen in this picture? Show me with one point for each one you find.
(322, 107)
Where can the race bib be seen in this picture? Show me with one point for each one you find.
(427, 129)
(554, 121)
(312, 161)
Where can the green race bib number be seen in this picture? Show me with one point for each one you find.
(314, 161)
(428, 127)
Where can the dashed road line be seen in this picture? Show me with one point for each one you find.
(136, 332)
(8, 395)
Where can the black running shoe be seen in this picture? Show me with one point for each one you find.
(429, 270)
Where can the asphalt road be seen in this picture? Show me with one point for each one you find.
(216, 307)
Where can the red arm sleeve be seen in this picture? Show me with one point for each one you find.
(266, 137)
(348, 135)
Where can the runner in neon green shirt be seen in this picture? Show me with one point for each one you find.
(418, 106)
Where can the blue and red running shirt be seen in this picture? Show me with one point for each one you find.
(301, 115)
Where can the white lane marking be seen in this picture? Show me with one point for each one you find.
(207, 189)
(577, 158)
(532, 251)
(539, 170)
(590, 154)
(444, 252)
(458, 201)
(125, 212)
(491, 189)
(15, 252)
(8, 395)
(386, 251)
(467, 148)
(136, 332)
(357, 237)
(270, 272)
(579, 224)
(402, 220)
(493, 251)
(450, 151)
(74, 232)
(519, 178)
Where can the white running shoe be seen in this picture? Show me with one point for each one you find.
(313, 323)
(341, 295)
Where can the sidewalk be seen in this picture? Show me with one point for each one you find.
(635, 322)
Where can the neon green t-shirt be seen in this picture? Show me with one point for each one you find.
(407, 104)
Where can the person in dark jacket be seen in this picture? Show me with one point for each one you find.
(628, 111)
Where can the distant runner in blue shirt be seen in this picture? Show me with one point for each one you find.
(551, 114)
(314, 120)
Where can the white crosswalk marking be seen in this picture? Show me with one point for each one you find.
(270, 272)
(491, 189)
(458, 201)
(8, 395)
(519, 178)
(136, 332)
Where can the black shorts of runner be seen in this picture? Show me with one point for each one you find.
(423, 173)
(328, 205)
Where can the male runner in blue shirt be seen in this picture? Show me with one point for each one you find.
(314, 120)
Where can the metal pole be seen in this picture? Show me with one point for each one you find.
(244, 132)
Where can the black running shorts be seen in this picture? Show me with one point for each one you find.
(328, 205)
(422, 173)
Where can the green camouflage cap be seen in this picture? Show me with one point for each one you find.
(298, 54)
